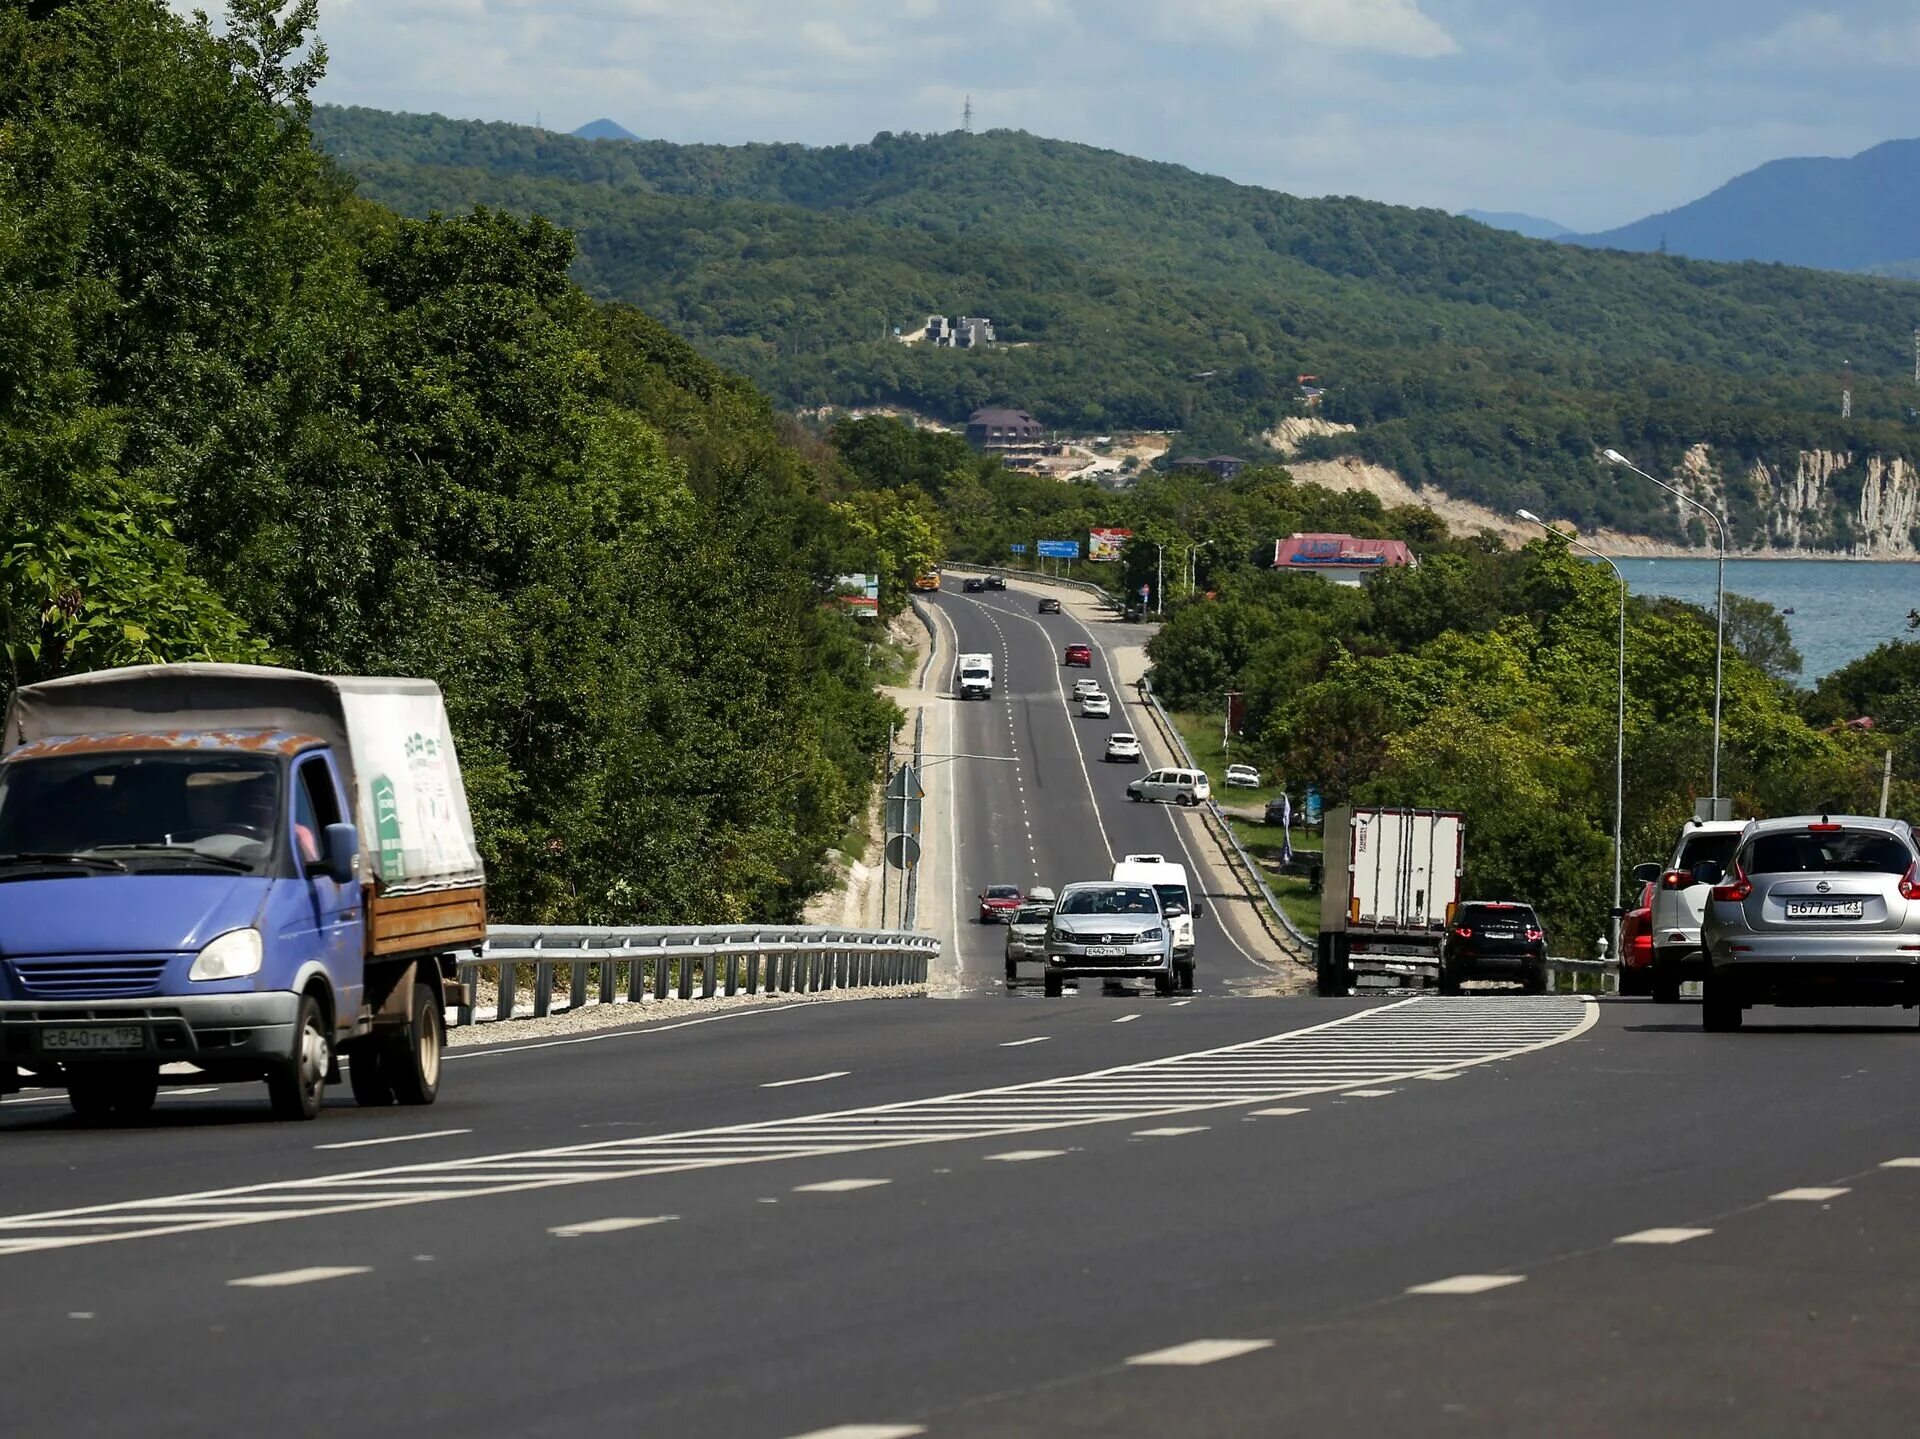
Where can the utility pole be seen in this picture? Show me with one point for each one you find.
(1886, 784)
(966, 117)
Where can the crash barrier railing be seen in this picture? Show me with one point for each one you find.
(1289, 934)
(1098, 591)
(607, 966)
(1604, 973)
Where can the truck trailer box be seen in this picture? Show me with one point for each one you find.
(1389, 889)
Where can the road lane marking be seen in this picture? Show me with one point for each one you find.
(1901, 1164)
(1663, 1236)
(1370, 1093)
(1436, 1077)
(1126, 1019)
(839, 1186)
(1812, 1194)
(1017, 1043)
(1201, 1351)
(1468, 1284)
(1021, 1156)
(810, 1079)
(608, 1226)
(287, 1277)
(393, 1139)
(865, 1431)
(195, 1089)
(1281, 1113)
(1173, 1132)
(1180, 1004)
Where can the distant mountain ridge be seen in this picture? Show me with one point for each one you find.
(604, 129)
(1532, 226)
(1857, 214)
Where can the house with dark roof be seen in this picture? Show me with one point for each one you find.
(996, 429)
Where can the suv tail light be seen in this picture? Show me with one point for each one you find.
(1535, 932)
(1910, 883)
(1736, 890)
(1465, 931)
(1676, 879)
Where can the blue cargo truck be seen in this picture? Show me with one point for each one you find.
(221, 872)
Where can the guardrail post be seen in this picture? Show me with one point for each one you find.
(636, 976)
(610, 973)
(730, 985)
(469, 976)
(686, 973)
(662, 965)
(577, 981)
(842, 963)
(504, 997)
(542, 986)
(707, 975)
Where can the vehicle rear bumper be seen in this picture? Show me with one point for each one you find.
(1504, 961)
(201, 1028)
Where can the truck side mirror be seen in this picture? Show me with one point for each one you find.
(1647, 873)
(1199, 907)
(340, 847)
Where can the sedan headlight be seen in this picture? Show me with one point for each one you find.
(234, 955)
(1063, 936)
(1151, 936)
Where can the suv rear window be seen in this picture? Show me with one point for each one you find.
(1517, 914)
(1699, 848)
(1854, 851)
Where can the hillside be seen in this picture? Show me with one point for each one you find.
(1861, 213)
(1131, 294)
(1532, 226)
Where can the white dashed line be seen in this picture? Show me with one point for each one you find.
(865, 1431)
(1901, 1164)
(840, 1186)
(608, 1226)
(1172, 1133)
(1276, 1113)
(393, 1139)
(1370, 1093)
(810, 1079)
(288, 1277)
(1021, 1156)
(1436, 1077)
(1468, 1284)
(1180, 1004)
(1201, 1351)
(1126, 1019)
(1663, 1236)
(1813, 1194)
(1018, 1043)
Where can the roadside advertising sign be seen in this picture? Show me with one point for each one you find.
(861, 594)
(1060, 549)
(1103, 546)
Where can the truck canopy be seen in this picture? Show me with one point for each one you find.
(389, 736)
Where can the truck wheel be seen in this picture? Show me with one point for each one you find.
(297, 1085)
(367, 1074)
(411, 1062)
(1449, 979)
(1052, 985)
(1720, 1011)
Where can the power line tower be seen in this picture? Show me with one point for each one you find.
(966, 128)
(1846, 391)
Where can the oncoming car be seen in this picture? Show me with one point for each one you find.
(1122, 749)
(1104, 930)
(1821, 910)
(1027, 937)
(998, 903)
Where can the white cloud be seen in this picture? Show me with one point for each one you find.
(1390, 27)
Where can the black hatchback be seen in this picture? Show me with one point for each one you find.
(1494, 940)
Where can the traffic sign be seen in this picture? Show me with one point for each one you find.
(903, 802)
(1018, 549)
(903, 850)
(1060, 549)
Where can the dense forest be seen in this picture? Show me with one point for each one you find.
(1138, 295)
(247, 415)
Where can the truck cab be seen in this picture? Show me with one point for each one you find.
(202, 894)
(974, 677)
(1177, 898)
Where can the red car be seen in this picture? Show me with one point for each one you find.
(1081, 655)
(999, 903)
(1636, 946)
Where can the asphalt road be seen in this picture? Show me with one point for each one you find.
(1007, 1278)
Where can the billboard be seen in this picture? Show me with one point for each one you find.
(1060, 549)
(1104, 545)
(861, 594)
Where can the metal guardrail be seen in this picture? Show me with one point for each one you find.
(1098, 591)
(635, 964)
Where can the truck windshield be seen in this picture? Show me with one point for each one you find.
(141, 811)
(1173, 897)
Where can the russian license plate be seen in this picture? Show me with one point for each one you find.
(96, 1037)
(1501, 934)
(1104, 951)
(1826, 909)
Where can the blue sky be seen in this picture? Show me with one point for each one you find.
(1589, 112)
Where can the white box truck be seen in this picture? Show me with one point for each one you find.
(1182, 904)
(1391, 883)
(974, 677)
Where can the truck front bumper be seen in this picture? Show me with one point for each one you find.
(195, 1029)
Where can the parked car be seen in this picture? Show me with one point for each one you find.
(1096, 706)
(1172, 786)
(1081, 655)
(1083, 688)
(1278, 810)
(1494, 939)
(1122, 749)
(1243, 776)
(999, 902)
(996, 582)
(973, 585)
(1049, 607)
(1821, 910)
(1679, 900)
(1105, 930)
(1027, 937)
(1636, 946)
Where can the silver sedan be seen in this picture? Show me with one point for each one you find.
(1820, 910)
(1109, 930)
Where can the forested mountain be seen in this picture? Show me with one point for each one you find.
(1135, 294)
(1861, 213)
(1532, 226)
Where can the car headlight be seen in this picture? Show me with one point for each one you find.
(1063, 936)
(234, 955)
(1152, 936)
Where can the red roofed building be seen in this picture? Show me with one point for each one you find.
(1344, 559)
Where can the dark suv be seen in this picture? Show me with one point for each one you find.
(973, 586)
(1494, 940)
(996, 582)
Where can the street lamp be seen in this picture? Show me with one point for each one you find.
(1160, 578)
(1720, 601)
(1620, 720)
(1193, 566)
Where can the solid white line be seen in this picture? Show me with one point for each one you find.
(810, 1079)
(1126, 1019)
(1202, 1351)
(1171, 1133)
(1468, 1284)
(1813, 1194)
(865, 1431)
(1277, 1113)
(1017, 1043)
(1663, 1236)
(1021, 1156)
(393, 1139)
(839, 1186)
(298, 1276)
(1901, 1164)
(608, 1226)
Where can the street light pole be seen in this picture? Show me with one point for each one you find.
(1720, 601)
(1620, 718)
(1193, 566)
(1160, 579)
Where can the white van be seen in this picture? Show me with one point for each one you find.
(1177, 898)
(1172, 786)
(974, 677)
